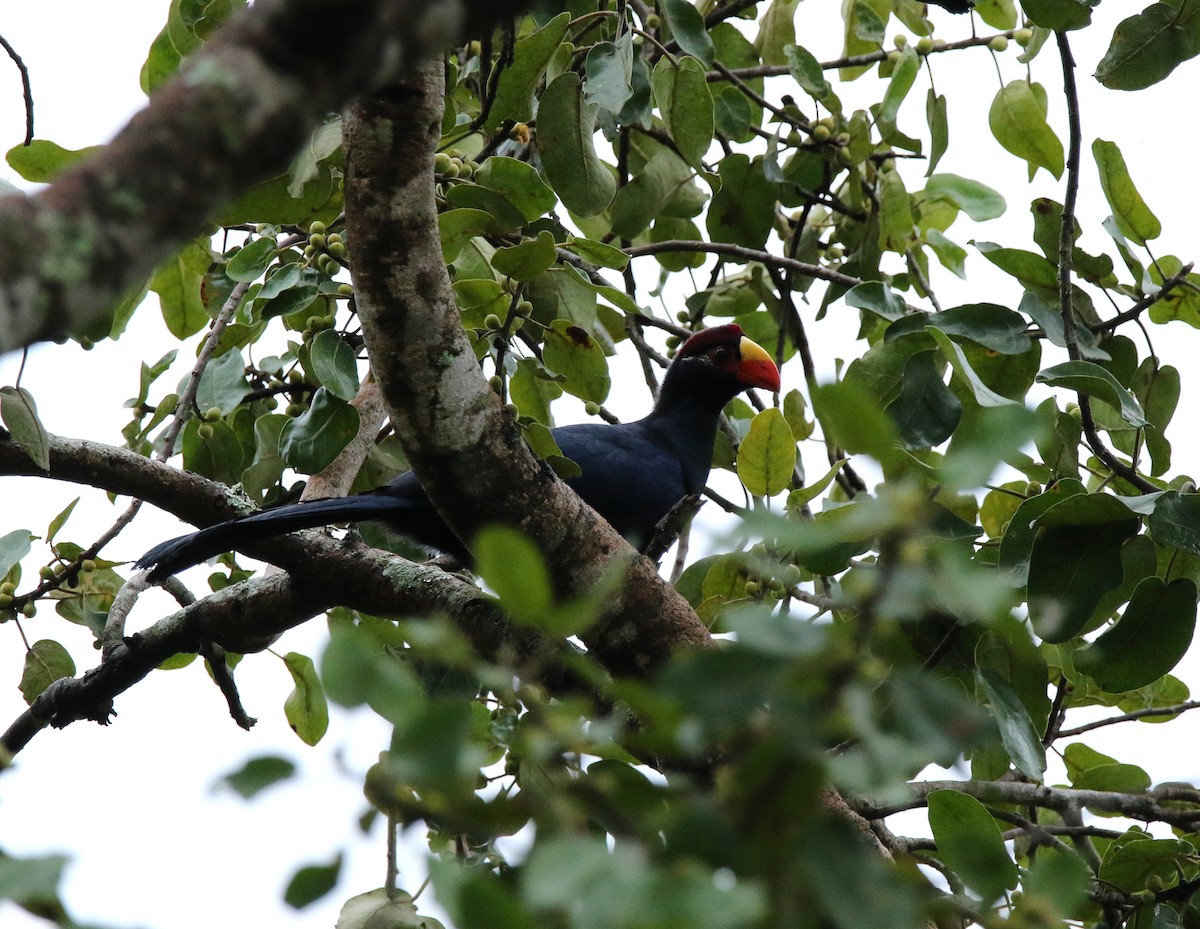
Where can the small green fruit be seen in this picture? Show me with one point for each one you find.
(337, 249)
(5, 601)
(345, 290)
(29, 610)
(205, 431)
(924, 45)
(8, 587)
(998, 43)
(751, 588)
(592, 408)
(820, 132)
(317, 240)
(492, 321)
(1023, 37)
(45, 572)
(441, 161)
(88, 565)
(212, 414)
(316, 227)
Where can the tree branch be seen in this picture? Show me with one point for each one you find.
(234, 115)
(472, 462)
(1147, 807)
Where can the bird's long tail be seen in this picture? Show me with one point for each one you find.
(174, 555)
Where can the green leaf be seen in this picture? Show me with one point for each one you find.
(1133, 217)
(1018, 121)
(178, 283)
(609, 70)
(878, 298)
(458, 227)
(599, 254)
(865, 28)
(1058, 15)
(306, 708)
(1057, 883)
(904, 74)
(222, 384)
(926, 411)
(162, 61)
(20, 416)
(513, 566)
(1089, 378)
(996, 328)
(334, 364)
(570, 351)
(310, 442)
(32, 883)
(970, 844)
(939, 128)
(252, 261)
(256, 775)
(777, 32)
(853, 419)
(1072, 566)
(45, 662)
(218, 456)
(1088, 769)
(1030, 268)
(1149, 45)
(14, 546)
(1151, 637)
(311, 883)
(272, 201)
(685, 104)
(583, 182)
(1175, 521)
(517, 182)
(57, 523)
(983, 394)
(797, 498)
(743, 210)
(977, 200)
(767, 456)
(808, 73)
(1021, 740)
(895, 214)
(267, 467)
(687, 26)
(525, 261)
(649, 193)
(1130, 861)
(531, 56)
(41, 159)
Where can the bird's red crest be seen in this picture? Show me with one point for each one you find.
(705, 339)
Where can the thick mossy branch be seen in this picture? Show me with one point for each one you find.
(235, 115)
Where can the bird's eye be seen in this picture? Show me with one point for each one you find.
(722, 354)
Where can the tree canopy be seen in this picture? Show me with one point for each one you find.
(401, 234)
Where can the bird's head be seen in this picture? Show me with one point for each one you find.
(727, 350)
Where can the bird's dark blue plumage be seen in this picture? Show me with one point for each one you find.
(632, 473)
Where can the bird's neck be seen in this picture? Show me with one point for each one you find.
(685, 395)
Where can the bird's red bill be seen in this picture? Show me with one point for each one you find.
(757, 368)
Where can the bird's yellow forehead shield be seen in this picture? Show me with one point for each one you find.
(757, 368)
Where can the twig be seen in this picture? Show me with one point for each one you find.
(743, 254)
(1065, 249)
(26, 88)
(1148, 712)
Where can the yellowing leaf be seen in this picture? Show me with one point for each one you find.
(767, 456)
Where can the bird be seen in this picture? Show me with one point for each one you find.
(633, 474)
